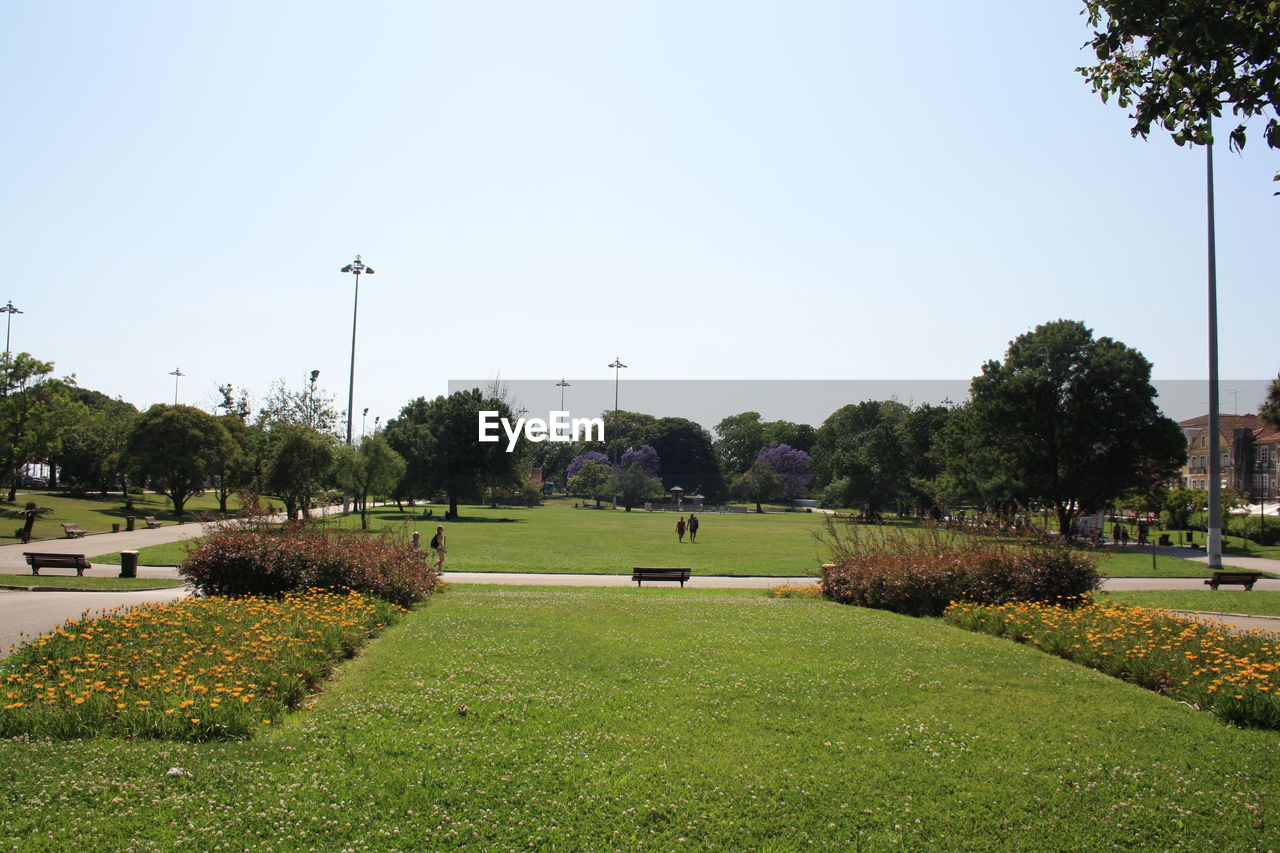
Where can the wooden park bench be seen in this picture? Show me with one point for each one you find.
(73, 530)
(653, 573)
(1245, 579)
(151, 522)
(38, 561)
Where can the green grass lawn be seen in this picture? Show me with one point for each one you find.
(72, 582)
(168, 554)
(1134, 564)
(557, 538)
(97, 514)
(1253, 602)
(598, 719)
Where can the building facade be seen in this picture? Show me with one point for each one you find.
(1248, 449)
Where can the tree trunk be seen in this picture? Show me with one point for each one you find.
(453, 505)
(759, 508)
(53, 472)
(364, 510)
(179, 501)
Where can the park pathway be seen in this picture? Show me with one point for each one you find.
(26, 614)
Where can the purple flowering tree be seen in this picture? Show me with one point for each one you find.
(790, 465)
(575, 465)
(644, 456)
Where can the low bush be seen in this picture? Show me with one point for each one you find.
(919, 575)
(1234, 675)
(241, 560)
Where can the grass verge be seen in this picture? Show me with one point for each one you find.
(70, 582)
(1253, 602)
(593, 719)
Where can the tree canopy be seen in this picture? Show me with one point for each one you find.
(179, 448)
(1177, 63)
(1073, 420)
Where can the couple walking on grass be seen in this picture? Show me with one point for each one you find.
(691, 527)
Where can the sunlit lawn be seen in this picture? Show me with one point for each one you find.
(1252, 602)
(97, 514)
(588, 719)
(556, 538)
(70, 581)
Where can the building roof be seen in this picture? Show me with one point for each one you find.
(1228, 424)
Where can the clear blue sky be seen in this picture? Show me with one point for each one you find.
(727, 190)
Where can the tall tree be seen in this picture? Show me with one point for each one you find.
(634, 484)
(438, 439)
(300, 465)
(178, 447)
(860, 460)
(371, 468)
(1178, 63)
(1075, 419)
(688, 459)
(92, 451)
(739, 439)
(36, 410)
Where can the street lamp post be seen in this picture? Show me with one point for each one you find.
(562, 385)
(176, 373)
(617, 373)
(364, 422)
(1213, 547)
(8, 323)
(356, 267)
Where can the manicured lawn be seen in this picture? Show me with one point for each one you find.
(96, 514)
(557, 538)
(596, 719)
(168, 554)
(73, 582)
(1137, 564)
(1254, 602)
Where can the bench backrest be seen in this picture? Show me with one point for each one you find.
(55, 561)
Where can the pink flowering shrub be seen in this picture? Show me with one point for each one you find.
(241, 560)
(920, 573)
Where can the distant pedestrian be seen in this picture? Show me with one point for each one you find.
(693, 529)
(437, 545)
(680, 529)
(1122, 534)
(1142, 532)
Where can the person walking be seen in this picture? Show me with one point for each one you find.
(680, 529)
(693, 529)
(437, 545)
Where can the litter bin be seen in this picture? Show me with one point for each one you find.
(115, 527)
(1164, 540)
(128, 564)
(128, 523)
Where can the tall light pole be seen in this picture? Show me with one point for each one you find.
(1214, 546)
(562, 385)
(8, 323)
(175, 373)
(358, 268)
(617, 373)
(364, 422)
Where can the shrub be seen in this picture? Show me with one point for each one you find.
(920, 574)
(238, 560)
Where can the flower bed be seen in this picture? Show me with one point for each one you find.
(193, 669)
(1234, 675)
